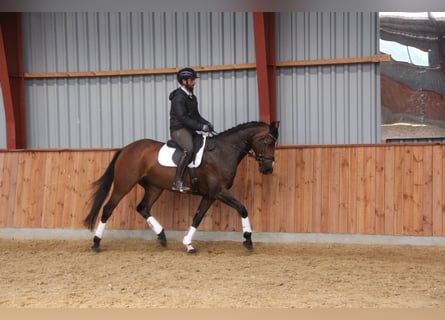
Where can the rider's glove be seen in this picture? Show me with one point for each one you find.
(206, 128)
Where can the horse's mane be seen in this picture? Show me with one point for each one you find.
(242, 126)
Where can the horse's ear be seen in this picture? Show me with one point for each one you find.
(273, 128)
(274, 125)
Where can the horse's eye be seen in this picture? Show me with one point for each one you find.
(271, 142)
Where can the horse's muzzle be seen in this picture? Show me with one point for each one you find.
(266, 169)
(266, 163)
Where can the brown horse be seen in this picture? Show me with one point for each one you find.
(137, 164)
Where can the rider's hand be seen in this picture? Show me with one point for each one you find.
(206, 128)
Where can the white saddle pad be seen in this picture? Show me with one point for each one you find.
(165, 157)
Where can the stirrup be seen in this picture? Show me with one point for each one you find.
(179, 186)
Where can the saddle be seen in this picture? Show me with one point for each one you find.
(170, 154)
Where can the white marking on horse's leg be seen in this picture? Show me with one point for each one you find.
(246, 225)
(189, 236)
(100, 230)
(154, 225)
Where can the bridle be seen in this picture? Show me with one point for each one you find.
(261, 157)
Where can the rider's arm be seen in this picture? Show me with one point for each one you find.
(179, 110)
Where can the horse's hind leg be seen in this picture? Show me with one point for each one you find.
(119, 191)
(106, 214)
(151, 195)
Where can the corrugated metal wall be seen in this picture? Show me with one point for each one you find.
(338, 104)
(113, 111)
(316, 105)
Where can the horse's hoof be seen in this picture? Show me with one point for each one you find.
(248, 246)
(96, 244)
(162, 238)
(95, 249)
(190, 249)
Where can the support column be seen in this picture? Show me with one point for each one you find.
(7, 97)
(12, 79)
(264, 32)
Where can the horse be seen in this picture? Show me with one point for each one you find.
(137, 163)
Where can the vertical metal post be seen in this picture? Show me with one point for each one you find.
(264, 33)
(12, 79)
(7, 97)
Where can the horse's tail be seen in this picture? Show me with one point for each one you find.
(103, 186)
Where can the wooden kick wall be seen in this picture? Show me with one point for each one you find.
(353, 189)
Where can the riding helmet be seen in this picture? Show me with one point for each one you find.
(186, 73)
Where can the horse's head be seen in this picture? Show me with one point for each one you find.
(264, 147)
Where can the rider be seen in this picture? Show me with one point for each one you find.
(185, 120)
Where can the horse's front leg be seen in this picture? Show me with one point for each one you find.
(204, 205)
(225, 197)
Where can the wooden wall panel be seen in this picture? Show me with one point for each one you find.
(399, 180)
(344, 196)
(379, 190)
(306, 179)
(352, 212)
(427, 190)
(437, 190)
(365, 189)
(388, 189)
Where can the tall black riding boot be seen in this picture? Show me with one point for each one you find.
(180, 170)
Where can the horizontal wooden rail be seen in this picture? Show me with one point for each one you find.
(226, 67)
(307, 63)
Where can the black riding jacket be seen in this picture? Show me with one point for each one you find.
(184, 111)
